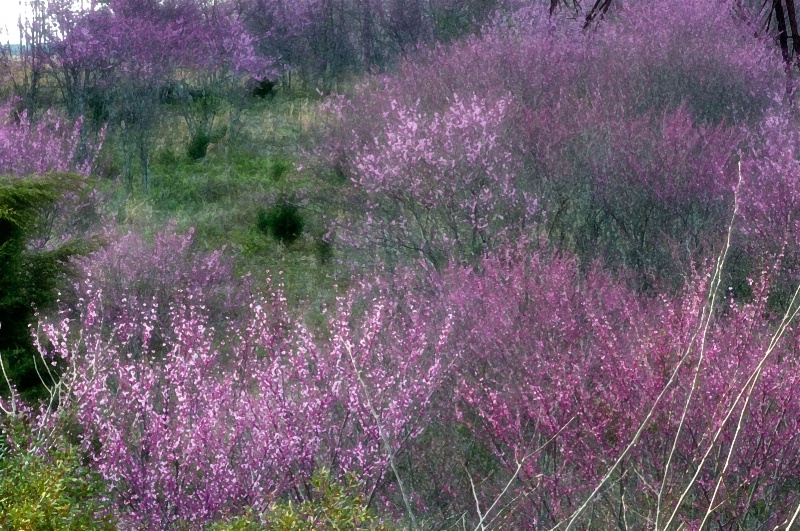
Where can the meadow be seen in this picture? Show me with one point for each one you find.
(400, 265)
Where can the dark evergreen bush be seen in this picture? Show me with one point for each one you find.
(283, 221)
(198, 145)
(263, 89)
(29, 278)
(97, 105)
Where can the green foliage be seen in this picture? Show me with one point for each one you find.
(323, 249)
(165, 157)
(264, 89)
(283, 221)
(248, 522)
(280, 166)
(50, 490)
(201, 112)
(332, 507)
(29, 277)
(221, 197)
(204, 101)
(97, 105)
(198, 145)
(201, 139)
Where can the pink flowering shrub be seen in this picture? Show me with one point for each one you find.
(609, 145)
(439, 185)
(660, 188)
(553, 346)
(559, 368)
(545, 370)
(767, 232)
(770, 183)
(139, 41)
(49, 144)
(203, 422)
(130, 270)
(655, 54)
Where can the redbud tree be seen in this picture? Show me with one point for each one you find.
(331, 39)
(560, 341)
(111, 61)
(192, 415)
(625, 155)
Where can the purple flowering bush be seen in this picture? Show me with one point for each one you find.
(201, 422)
(571, 300)
(571, 136)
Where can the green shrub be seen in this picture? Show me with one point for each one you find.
(198, 145)
(332, 507)
(280, 166)
(248, 522)
(323, 249)
(264, 89)
(283, 221)
(49, 489)
(29, 277)
(200, 141)
(166, 157)
(97, 105)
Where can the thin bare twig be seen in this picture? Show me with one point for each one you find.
(705, 323)
(390, 454)
(707, 312)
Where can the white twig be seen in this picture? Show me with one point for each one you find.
(794, 517)
(748, 387)
(12, 394)
(705, 318)
(520, 463)
(475, 497)
(704, 324)
(384, 438)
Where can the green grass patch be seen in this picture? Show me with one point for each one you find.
(243, 194)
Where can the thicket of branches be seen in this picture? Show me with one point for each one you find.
(573, 243)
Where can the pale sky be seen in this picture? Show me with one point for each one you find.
(9, 13)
